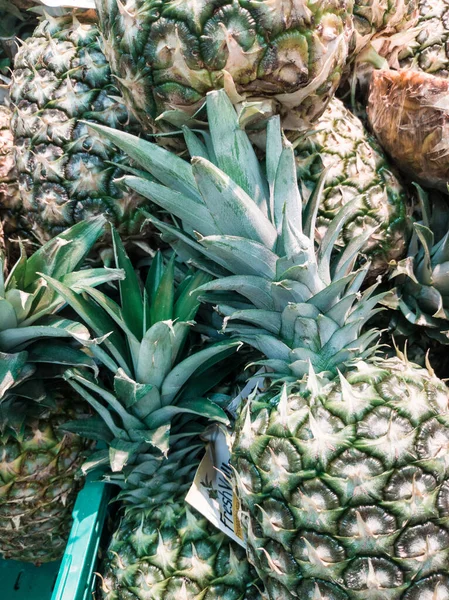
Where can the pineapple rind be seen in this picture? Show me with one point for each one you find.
(156, 549)
(428, 50)
(38, 464)
(353, 496)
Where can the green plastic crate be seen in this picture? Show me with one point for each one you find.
(71, 578)
(76, 579)
(22, 581)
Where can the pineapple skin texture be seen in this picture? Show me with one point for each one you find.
(171, 552)
(428, 50)
(38, 464)
(60, 77)
(346, 490)
(167, 54)
(357, 167)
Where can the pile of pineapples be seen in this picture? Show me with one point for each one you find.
(192, 196)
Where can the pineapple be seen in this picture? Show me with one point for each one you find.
(161, 548)
(60, 78)
(356, 167)
(201, 560)
(341, 461)
(407, 112)
(285, 55)
(38, 461)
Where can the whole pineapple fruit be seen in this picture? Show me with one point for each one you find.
(66, 173)
(356, 168)
(168, 56)
(342, 461)
(156, 408)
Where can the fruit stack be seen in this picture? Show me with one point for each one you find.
(196, 194)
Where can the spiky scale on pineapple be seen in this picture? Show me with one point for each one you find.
(65, 172)
(169, 55)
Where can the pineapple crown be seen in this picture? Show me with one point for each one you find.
(295, 301)
(157, 392)
(421, 294)
(35, 342)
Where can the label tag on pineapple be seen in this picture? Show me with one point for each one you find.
(69, 3)
(212, 493)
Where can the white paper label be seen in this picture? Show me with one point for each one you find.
(212, 492)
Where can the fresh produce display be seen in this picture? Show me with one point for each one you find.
(168, 55)
(161, 545)
(65, 174)
(341, 461)
(356, 168)
(266, 186)
(38, 462)
(408, 112)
